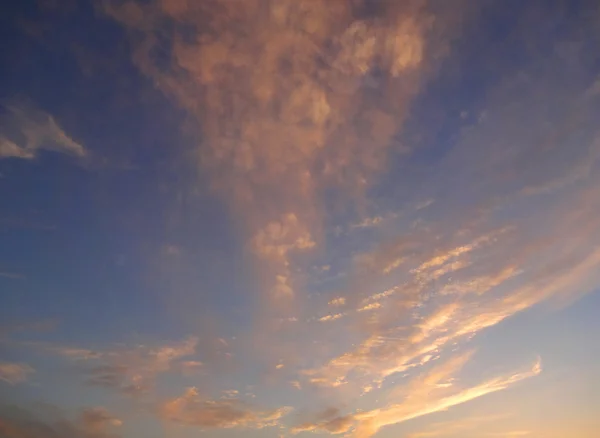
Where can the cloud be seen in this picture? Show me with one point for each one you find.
(276, 241)
(98, 420)
(130, 370)
(91, 423)
(511, 269)
(369, 222)
(424, 397)
(331, 317)
(134, 371)
(336, 302)
(25, 130)
(74, 353)
(291, 99)
(329, 420)
(191, 409)
(13, 373)
(371, 306)
(300, 108)
(432, 391)
(190, 367)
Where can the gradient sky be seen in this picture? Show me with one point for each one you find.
(279, 218)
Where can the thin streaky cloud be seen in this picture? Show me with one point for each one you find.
(38, 131)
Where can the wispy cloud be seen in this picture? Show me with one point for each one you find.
(130, 370)
(25, 130)
(11, 275)
(192, 409)
(90, 423)
(424, 397)
(330, 420)
(300, 109)
(13, 373)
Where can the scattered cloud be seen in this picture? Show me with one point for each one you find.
(192, 409)
(130, 370)
(329, 420)
(190, 367)
(331, 317)
(13, 373)
(134, 371)
(371, 306)
(424, 397)
(91, 423)
(300, 110)
(275, 243)
(336, 302)
(369, 222)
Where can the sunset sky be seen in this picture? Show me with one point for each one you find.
(296, 218)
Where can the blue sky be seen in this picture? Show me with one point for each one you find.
(284, 218)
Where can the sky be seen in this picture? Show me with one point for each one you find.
(287, 218)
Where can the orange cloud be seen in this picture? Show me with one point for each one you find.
(329, 420)
(91, 423)
(14, 373)
(421, 398)
(191, 409)
(288, 98)
(331, 317)
(340, 301)
(130, 370)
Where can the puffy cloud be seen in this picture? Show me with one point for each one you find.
(191, 409)
(25, 130)
(13, 373)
